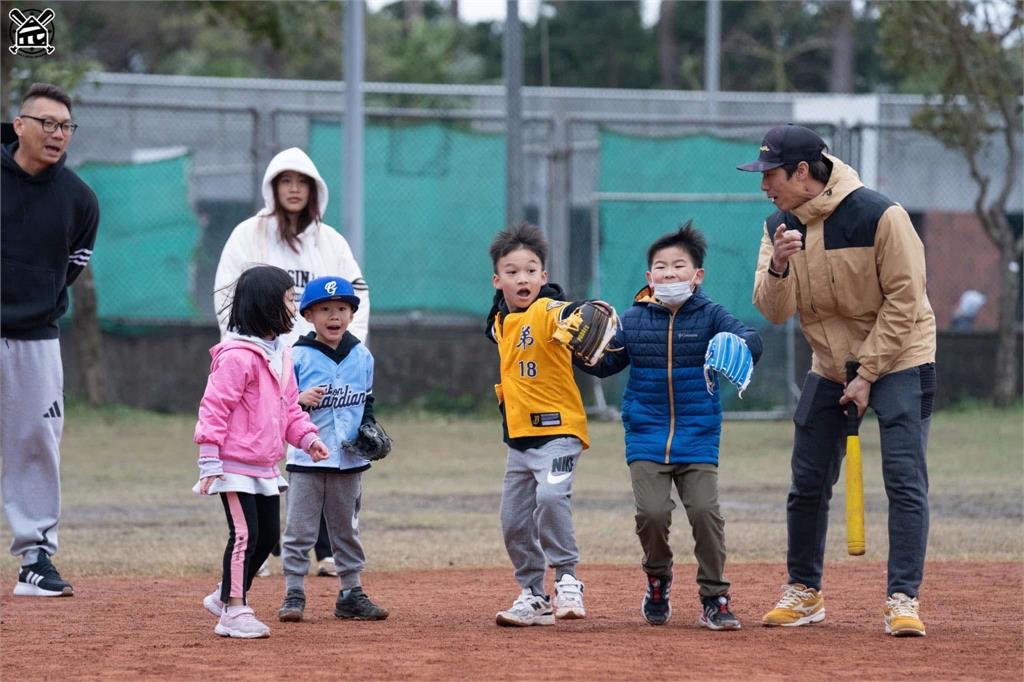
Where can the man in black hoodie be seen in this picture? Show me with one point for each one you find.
(49, 221)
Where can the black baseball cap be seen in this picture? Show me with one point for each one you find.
(786, 144)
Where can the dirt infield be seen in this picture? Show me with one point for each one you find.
(442, 627)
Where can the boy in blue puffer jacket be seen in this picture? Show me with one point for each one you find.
(673, 423)
(334, 371)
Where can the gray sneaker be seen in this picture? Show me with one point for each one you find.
(293, 607)
(357, 606)
(240, 621)
(527, 609)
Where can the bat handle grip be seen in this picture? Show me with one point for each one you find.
(852, 418)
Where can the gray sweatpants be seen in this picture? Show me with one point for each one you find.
(338, 497)
(31, 425)
(536, 511)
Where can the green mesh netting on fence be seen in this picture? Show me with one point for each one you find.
(696, 164)
(435, 197)
(692, 164)
(142, 260)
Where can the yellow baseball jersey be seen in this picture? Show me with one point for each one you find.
(537, 385)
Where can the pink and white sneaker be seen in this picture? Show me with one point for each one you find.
(240, 621)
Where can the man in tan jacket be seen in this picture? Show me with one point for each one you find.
(847, 260)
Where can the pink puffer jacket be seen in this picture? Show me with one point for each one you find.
(247, 413)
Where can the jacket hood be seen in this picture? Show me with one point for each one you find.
(292, 159)
(841, 182)
(549, 290)
(646, 297)
(498, 305)
(7, 159)
(230, 344)
(345, 346)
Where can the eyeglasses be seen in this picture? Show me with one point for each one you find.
(50, 126)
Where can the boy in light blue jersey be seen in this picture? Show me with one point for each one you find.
(335, 378)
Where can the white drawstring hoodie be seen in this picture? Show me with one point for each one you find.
(322, 252)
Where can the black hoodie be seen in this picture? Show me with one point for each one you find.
(47, 231)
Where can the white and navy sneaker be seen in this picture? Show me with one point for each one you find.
(569, 598)
(41, 579)
(527, 609)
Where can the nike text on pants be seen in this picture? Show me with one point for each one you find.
(536, 510)
(31, 424)
(336, 497)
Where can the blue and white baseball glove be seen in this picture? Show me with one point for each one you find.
(729, 356)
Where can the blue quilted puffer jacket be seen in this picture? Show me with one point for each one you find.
(669, 416)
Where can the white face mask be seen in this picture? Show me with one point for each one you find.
(673, 293)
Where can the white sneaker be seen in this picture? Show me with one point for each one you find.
(240, 621)
(264, 571)
(326, 567)
(213, 603)
(527, 609)
(569, 598)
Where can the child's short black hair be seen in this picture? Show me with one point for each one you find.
(521, 236)
(257, 304)
(688, 238)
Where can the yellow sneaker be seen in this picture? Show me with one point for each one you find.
(901, 619)
(799, 606)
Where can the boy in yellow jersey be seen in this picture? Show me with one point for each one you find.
(544, 426)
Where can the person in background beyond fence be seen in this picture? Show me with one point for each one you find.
(848, 261)
(289, 232)
(249, 410)
(49, 225)
(335, 376)
(544, 427)
(673, 422)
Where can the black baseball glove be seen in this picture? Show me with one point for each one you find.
(588, 330)
(372, 442)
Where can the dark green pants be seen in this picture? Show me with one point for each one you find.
(697, 485)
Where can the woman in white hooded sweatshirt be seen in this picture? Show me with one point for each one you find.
(289, 232)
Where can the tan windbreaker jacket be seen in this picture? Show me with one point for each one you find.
(858, 284)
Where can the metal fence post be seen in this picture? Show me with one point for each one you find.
(558, 200)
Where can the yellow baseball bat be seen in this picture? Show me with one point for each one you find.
(855, 540)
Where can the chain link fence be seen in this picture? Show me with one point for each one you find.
(176, 169)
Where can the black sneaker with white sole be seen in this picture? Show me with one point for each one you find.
(656, 607)
(41, 579)
(716, 614)
(358, 606)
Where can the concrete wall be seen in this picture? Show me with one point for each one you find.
(449, 367)
(439, 366)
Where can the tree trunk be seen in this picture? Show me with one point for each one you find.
(412, 12)
(668, 46)
(1005, 380)
(453, 10)
(841, 74)
(85, 325)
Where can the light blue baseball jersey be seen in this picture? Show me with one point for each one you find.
(347, 376)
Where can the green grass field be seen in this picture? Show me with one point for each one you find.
(128, 508)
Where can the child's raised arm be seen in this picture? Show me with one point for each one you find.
(301, 431)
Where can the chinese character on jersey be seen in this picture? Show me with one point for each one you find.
(525, 340)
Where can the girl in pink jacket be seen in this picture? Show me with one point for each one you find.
(248, 411)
